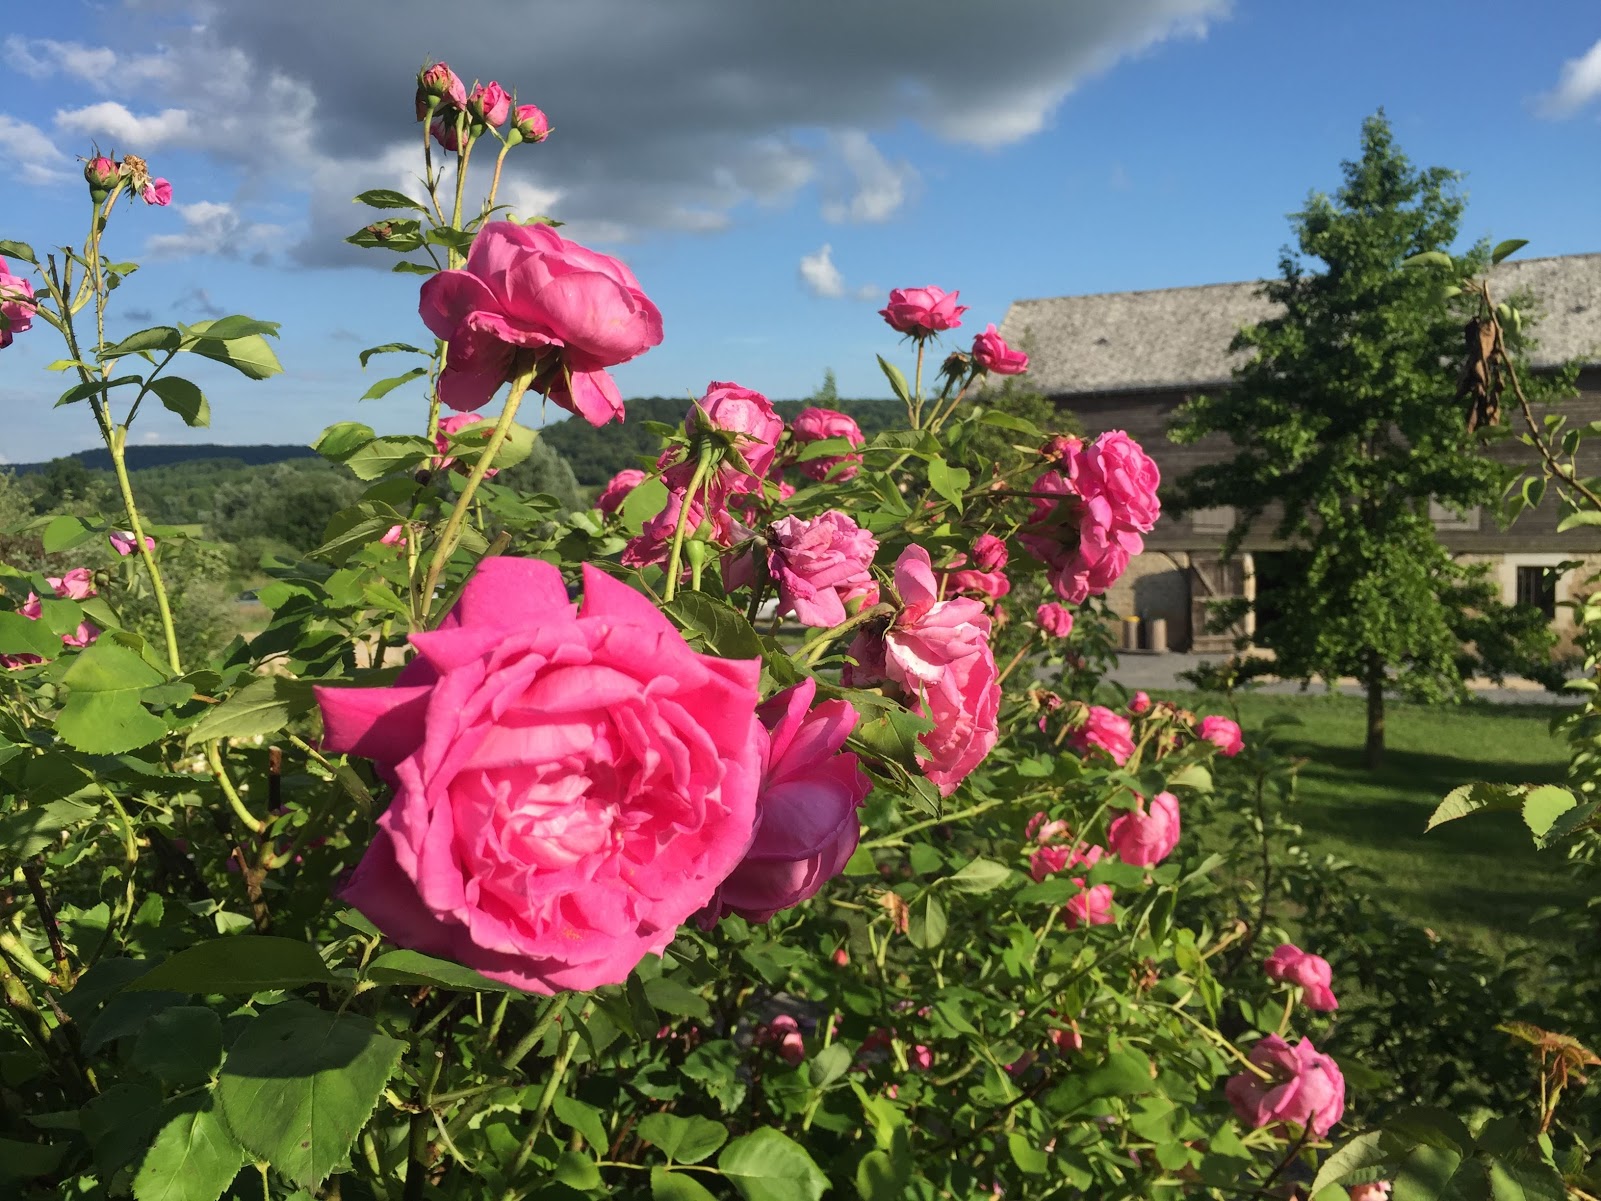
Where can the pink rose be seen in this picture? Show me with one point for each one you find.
(32, 608)
(438, 82)
(528, 293)
(820, 425)
(1069, 1040)
(922, 312)
(1379, 1190)
(1310, 973)
(569, 784)
(1091, 907)
(488, 104)
(1140, 703)
(989, 553)
(748, 416)
(806, 823)
(1303, 1086)
(991, 584)
(819, 565)
(1145, 838)
(102, 174)
(16, 305)
(395, 535)
(991, 352)
(1042, 829)
(938, 654)
(1059, 857)
(84, 635)
(919, 1058)
(1223, 734)
(1116, 468)
(617, 489)
(123, 543)
(1054, 619)
(157, 192)
(448, 428)
(77, 584)
(711, 510)
(1107, 731)
(529, 121)
(18, 662)
(446, 128)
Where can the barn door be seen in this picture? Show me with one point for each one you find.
(1213, 580)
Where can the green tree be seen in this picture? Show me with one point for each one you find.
(1344, 416)
(827, 396)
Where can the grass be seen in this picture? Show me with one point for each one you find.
(1479, 878)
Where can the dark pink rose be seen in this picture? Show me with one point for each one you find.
(1310, 973)
(1106, 731)
(123, 543)
(819, 565)
(922, 312)
(77, 584)
(1059, 857)
(919, 1058)
(528, 292)
(1146, 837)
(438, 82)
(1223, 734)
(19, 661)
(1091, 907)
(806, 823)
(1069, 1040)
(989, 553)
(488, 104)
(157, 192)
(1116, 468)
(529, 121)
(446, 128)
(1140, 703)
(960, 579)
(1303, 1086)
(570, 784)
(712, 511)
(617, 489)
(747, 415)
(32, 608)
(16, 305)
(821, 425)
(991, 352)
(1054, 619)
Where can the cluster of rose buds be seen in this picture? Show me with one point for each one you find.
(104, 175)
(452, 111)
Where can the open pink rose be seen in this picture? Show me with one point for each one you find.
(77, 584)
(569, 784)
(488, 104)
(991, 352)
(806, 823)
(157, 192)
(1057, 857)
(395, 535)
(122, 541)
(1114, 467)
(617, 489)
(16, 305)
(1146, 837)
(528, 295)
(922, 312)
(819, 565)
(747, 415)
(1106, 731)
(1310, 973)
(83, 636)
(1054, 619)
(1091, 907)
(821, 425)
(1222, 733)
(1303, 1086)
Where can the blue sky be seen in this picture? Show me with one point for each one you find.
(1015, 149)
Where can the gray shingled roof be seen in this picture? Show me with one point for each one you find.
(1179, 337)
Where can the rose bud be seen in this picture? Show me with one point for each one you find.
(488, 104)
(530, 123)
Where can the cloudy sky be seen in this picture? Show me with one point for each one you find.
(768, 170)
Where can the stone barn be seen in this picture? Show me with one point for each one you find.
(1126, 360)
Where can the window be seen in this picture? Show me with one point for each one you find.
(1537, 586)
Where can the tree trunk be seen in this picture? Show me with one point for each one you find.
(1375, 686)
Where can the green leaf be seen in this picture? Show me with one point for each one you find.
(181, 1045)
(64, 533)
(1124, 1074)
(950, 482)
(103, 715)
(676, 1186)
(1566, 824)
(385, 386)
(1363, 1151)
(1429, 258)
(194, 1157)
(1525, 1180)
(157, 337)
(1474, 798)
(119, 1124)
(1582, 517)
(724, 628)
(585, 1119)
(184, 398)
(24, 1161)
(1192, 775)
(670, 996)
(981, 875)
(26, 832)
(1028, 1158)
(415, 968)
(244, 963)
(231, 329)
(389, 348)
(683, 1140)
(341, 440)
(395, 452)
(1007, 421)
(892, 736)
(17, 250)
(1426, 1174)
(299, 1084)
(926, 929)
(262, 706)
(767, 1165)
(577, 1170)
(95, 387)
(897, 381)
(250, 356)
(884, 1172)
(643, 503)
(20, 636)
(1544, 805)
(388, 198)
(1509, 247)
(828, 1065)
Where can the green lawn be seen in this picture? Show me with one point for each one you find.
(1479, 877)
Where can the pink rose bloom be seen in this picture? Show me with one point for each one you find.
(1146, 837)
(747, 415)
(989, 553)
(18, 662)
(528, 293)
(819, 565)
(446, 128)
(1059, 857)
(84, 635)
(488, 104)
(938, 654)
(820, 425)
(1092, 907)
(1223, 734)
(77, 584)
(1042, 829)
(919, 1058)
(16, 305)
(1116, 468)
(570, 783)
(1379, 1190)
(157, 192)
(32, 608)
(1054, 619)
(123, 543)
(1140, 703)
(991, 352)
(1068, 1040)
(448, 428)
(395, 535)
(806, 823)
(617, 489)
(1310, 973)
(792, 1048)
(1106, 731)
(991, 584)
(438, 81)
(922, 312)
(1304, 1087)
(530, 121)
(712, 509)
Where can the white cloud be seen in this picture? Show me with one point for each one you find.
(215, 229)
(99, 66)
(1578, 84)
(877, 187)
(820, 277)
(125, 131)
(32, 152)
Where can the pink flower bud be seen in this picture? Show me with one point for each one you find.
(842, 957)
(438, 83)
(920, 1058)
(991, 352)
(531, 123)
(1141, 703)
(122, 542)
(489, 104)
(102, 174)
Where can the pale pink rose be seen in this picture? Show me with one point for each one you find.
(1310, 973)
(938, 654)
(819, 565)
(1304, 1087)
(1106, 731)
(1222, 733)
(122, 541)
(395, 535)
(748, 416)
(1054, 619)
(821, 425)
(922, 312)
(570, 783)
(1146, 837)
(1139, 703)
(1116, 468)
(528, 294)
(1091, 907)
(991, 352)
(530, 121)
(16, 305)
(806, 823)
(488, 104)
(84, 635)
(1379, 1190)
(157, 192)
(438, 82)
(617, 489)
(77, 584)
(32, 608)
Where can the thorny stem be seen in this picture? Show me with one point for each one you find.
(917, 386)
(533, 1038)
(899, 835)
(940, 418)
(675, 555)
(47, 918)
(547, 1098)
